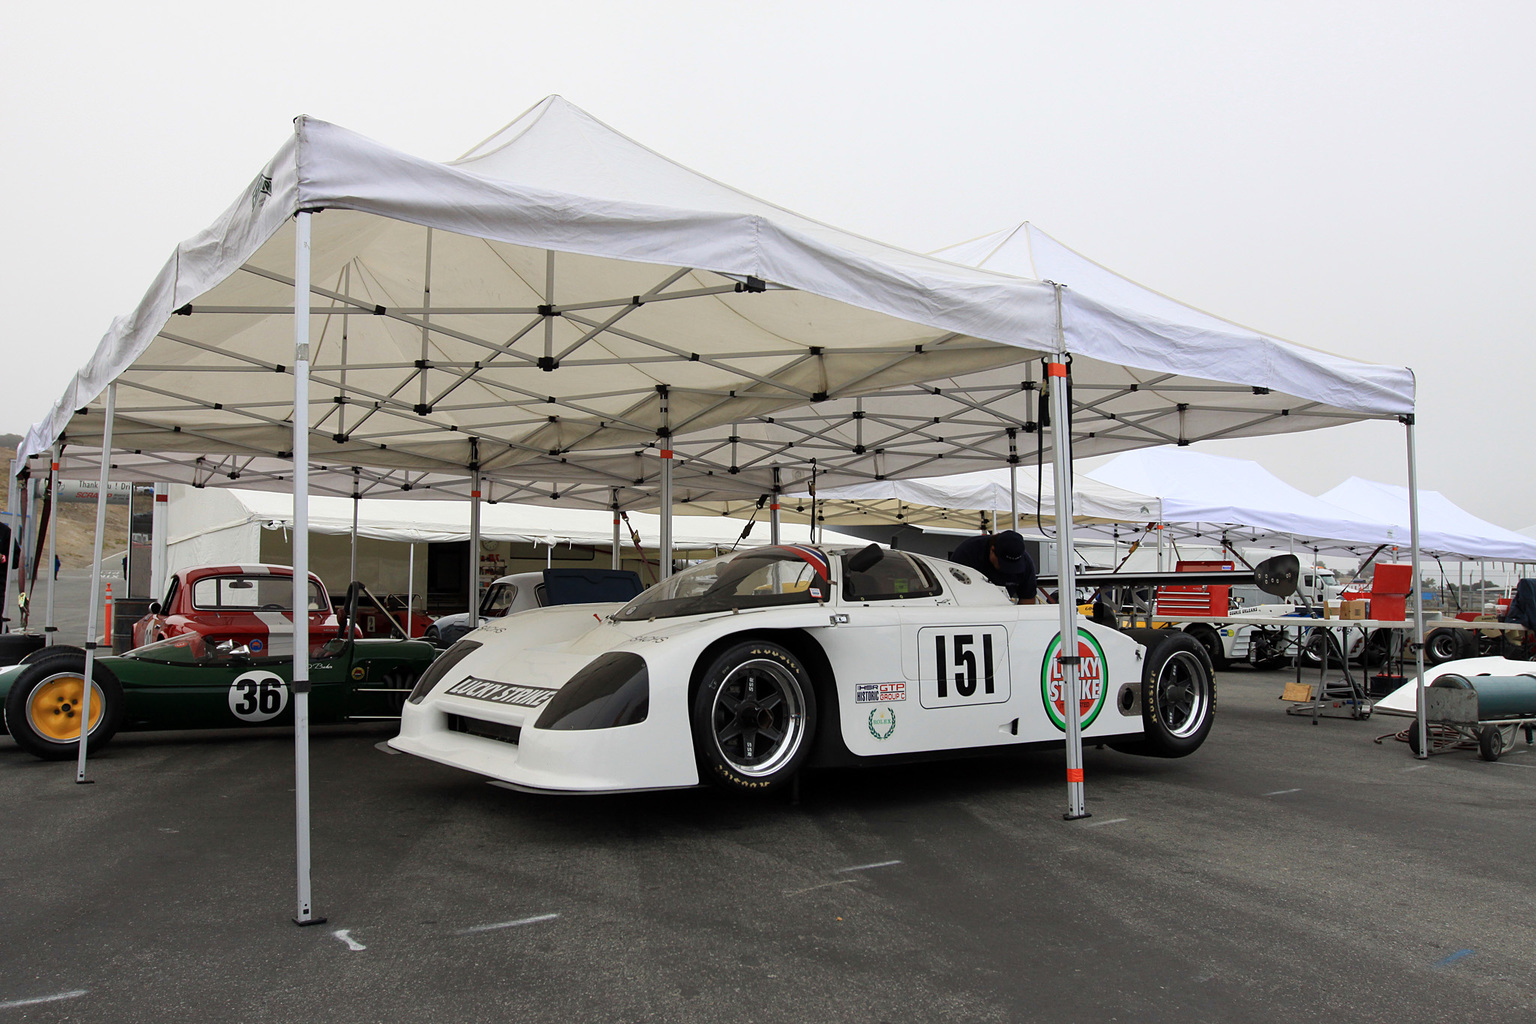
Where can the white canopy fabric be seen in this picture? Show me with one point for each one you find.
(936, 500)
(1445, 528)
(1213, 497)
(562, 289)
(440, 521)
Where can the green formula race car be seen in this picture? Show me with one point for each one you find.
(184, 682)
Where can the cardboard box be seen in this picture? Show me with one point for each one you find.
(1353, 610)
(1297, 693)
(1330, 609)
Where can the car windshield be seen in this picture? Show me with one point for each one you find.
(249, 594)
(759, 578)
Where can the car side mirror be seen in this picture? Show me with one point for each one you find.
(1278, 575)
(154, 608)
(865, 558)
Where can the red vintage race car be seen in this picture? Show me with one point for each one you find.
(250, 605)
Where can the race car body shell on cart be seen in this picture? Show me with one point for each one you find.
(246, 604)
(752, 665)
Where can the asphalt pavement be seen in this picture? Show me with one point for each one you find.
(1285, 872)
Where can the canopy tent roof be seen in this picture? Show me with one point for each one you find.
(562, 302)
(1445, 528)
(968, 499)
(1211, 497)
(416, 522)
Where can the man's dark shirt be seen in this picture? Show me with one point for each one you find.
(975, 553)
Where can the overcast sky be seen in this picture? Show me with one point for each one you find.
(1358, 178)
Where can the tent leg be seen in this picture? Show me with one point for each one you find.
(159, 550)
(474, 547)
(1013, 477)
(95, 592)
(617, 554)
(12, 546)
(53, 541)
(1418, 591)
(1066, 597)
(410, 593)
(357, 499)
(774, 519)
(666, 511)
(305, 914)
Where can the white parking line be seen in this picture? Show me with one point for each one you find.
(1093, 824)
(856, 867)
(1415, 767)
(823, 885)
(1278, 792)
(1506, 764)
(345, 935)
(76, 994)
(506, 924)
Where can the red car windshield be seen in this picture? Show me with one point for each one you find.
(250, 594)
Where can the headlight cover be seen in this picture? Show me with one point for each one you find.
(613, 690)
(439, 668)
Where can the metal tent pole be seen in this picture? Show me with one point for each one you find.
(617, 555)
(410, 592)
(357, 500)
(53, 541)
(159, 551)
(95, 592)
(474, 542)
(774, 519)
(10, 549)
(1013, 477)
(1066, 595)
(666, 511)
(301, 686)
(1418, 591)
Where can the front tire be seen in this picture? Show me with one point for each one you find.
(1490, 742)
(42, 711)
(1442, 645)
(754, 717)
(1209, 639)
(1178, 697)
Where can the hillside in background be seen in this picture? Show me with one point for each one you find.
(76, 522)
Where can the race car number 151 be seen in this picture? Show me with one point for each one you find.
(962, 665)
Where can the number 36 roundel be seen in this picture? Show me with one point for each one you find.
(258, 696)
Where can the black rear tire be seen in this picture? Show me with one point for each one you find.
(754, 717)
(1442, 645)
(42, 709)
(1178, 697)
(1211, 641)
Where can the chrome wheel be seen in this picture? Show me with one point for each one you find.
(757, 718)
(1182, 693)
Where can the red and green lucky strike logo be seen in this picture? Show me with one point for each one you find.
(1091, 672)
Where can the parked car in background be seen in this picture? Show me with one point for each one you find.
(248, 605)
(525, 590)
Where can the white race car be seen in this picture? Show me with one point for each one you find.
(744, 669)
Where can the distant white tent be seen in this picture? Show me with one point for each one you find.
(1445, 528)
(224, 525)
(944, 499)
(1213, 497)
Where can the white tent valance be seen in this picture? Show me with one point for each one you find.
(1445, 528)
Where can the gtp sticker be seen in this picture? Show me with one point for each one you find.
(879, 693)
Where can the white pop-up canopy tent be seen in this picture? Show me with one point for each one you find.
(565, 310)
(1214, 498)
(936, 499)
(1445, 528)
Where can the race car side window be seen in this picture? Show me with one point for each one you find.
(896, 576)
(497, 600)
(170, 595)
